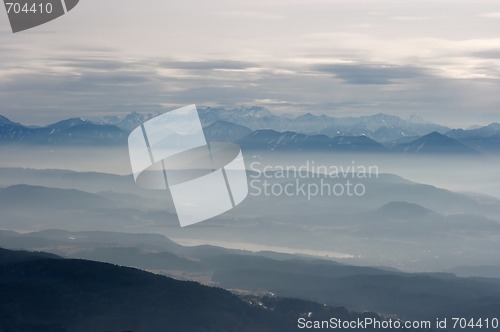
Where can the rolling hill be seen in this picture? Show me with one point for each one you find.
(47, 294)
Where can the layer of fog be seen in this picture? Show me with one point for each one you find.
(460, 230)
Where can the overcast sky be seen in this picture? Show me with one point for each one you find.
(436, 59)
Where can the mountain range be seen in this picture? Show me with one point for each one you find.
(380, 127)
(485, 139)
(405, 295)
(435, 143)
(75, 131)
(258, 129)
(271, 140)
(43, 292)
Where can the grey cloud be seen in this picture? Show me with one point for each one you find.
(117, 78)
(69, 83)
(487, 54)
(209, 65)
(99, 64)
(81, 91)
(93, 87)
(369, 74)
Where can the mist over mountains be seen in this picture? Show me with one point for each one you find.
(259, 129)
(395, 222)
(408, 219)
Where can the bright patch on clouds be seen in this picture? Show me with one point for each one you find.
(252, 15)
(409, 18)
(491, 15)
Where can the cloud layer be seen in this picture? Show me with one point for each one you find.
(338, 58)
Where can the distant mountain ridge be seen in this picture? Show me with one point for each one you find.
(271, 132)
(484, 139)
(74, 131)
(222, 131)
(491, 130)
(380, 127)
(290, 141)
(4, 121)
(434, 143)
